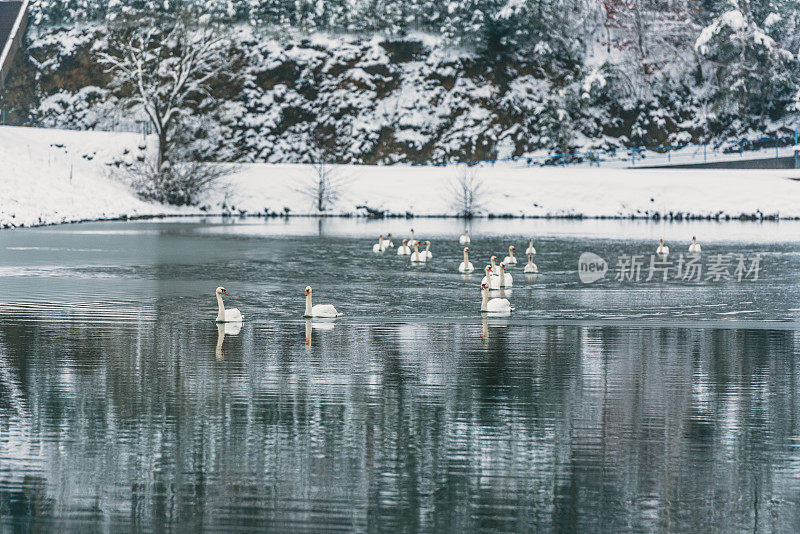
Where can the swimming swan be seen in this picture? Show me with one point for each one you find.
(320, 310)
(510, 259)
(378, 247)
(494, 268)
(464, 239)
(404, 249)
(417, 256)
(531, 267)
(490, 280)
(232, 315)
(427, 252)
(506, 280)
(495, 306)
(662, 249)
(466, 265)
(530, 249)
(694, 248)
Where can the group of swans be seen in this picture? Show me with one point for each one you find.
(421, 257)
(496, 277)
(663, 250)
(233, 315)
(383, 244)
(410, 247)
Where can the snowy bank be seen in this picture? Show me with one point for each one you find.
(529, 192)
(55, 176)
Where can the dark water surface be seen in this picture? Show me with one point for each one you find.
(605, 407)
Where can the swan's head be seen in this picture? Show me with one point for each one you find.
(427, 243)
(503, 266)
(466, 249)
(483, 287)
(694, 239)
(405, 241)
(661, 240)
(494, 259)
(308, 290)
(512, 248)
(466, 231)
(221, 291)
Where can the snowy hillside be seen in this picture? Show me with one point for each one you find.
(54, 176)
(441, 83)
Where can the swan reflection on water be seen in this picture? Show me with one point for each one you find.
(323, 324)
(495, 321)
(231, 329)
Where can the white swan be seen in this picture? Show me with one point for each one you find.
(506, 280)
(493, 267)
(412, 241)
(531, 267)
(427, 252)
(694, 248)
(387, 243)
(662, 249)
(510, 259)
(404, 249)
(466, 265)
(378, 247)
(530, 249)
(495, 306)
(464, 239)
(320, 310)
(232, 315)
(490, 280)
(417, 256)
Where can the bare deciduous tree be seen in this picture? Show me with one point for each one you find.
(468, 193)
(164, 67)
(324, 186)
(326, 183)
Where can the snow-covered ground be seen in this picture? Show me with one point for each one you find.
(56, 176)
(53, 176)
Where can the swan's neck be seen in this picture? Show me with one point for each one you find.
(511, 252)
(308, 305)
(221, 314)
(502, 276)
(485, 299)
(427, 247)
(466, 258)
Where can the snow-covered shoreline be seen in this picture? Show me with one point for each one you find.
(58, 176)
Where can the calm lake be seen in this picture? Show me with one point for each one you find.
(613, 406)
